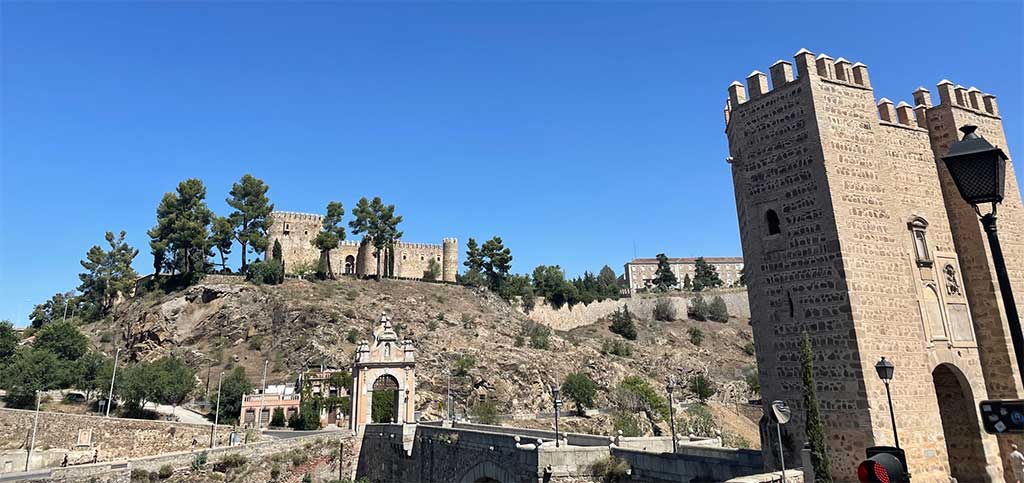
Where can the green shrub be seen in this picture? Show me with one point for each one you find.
(431, 325)
(702, 387)
(352, 336)
(616, 347)
(199, 461)
(622, 323)
(581, 389)
(139, 475)
(464, 363)
(699, 309)
(696, 335)
(275, 472)
(519, 341)
(611, 469)
(165, 472)
(277, 420)
(717, 310)
(664, 311)
(468, 322)
(106, 337)
(265, 272)
(628, 424)
(749, 348)
(485, 412)
(233, 460)
(539, 336)
(698, 421)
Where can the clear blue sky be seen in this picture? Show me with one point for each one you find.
(575, 131)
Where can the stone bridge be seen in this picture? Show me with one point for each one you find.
(469, 453)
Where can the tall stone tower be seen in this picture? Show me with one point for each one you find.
(854, 234)
(449, 259)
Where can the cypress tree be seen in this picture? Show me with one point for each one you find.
(814, 426)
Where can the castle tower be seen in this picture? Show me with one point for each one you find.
(846, 237)
(366, 262)
(450, 259)
(295, 231)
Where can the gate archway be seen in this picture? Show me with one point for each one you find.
(384, 402)
(959, 425)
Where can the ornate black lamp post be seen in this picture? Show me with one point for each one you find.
(979, 171)
(558, 405)
(671, 410)
(885, 370)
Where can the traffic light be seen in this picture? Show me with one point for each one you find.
(885, 464)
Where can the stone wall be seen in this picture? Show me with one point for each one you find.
(567, 318)
(691, 463)
(113, 438)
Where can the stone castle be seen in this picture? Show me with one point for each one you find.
(854, 233)
(295, 232)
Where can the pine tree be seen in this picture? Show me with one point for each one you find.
(664, 278)
(705, 275)
(222, 237)
(497, 261)
(379, 223)
(251, 218)
(814, 426)
(331, 234)
(474, 261)
(687, 284)
(108, 273)
(181, 229)
(608, 282)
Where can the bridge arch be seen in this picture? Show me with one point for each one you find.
(487, 472)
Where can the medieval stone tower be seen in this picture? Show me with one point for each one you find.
(296, 231)
(854, 233)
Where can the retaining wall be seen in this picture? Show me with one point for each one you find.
(579, 315)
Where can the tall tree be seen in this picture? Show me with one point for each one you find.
(705, 275)
(251, 218)
(31, 370)
(664, 277)
(108, 273)
(233, 387)
(9, 340)
(497, 261)
(579, 387)
(474, 261)
(62, 339)
(331, 234)
(379, 223)
(608, 282)
(53, 309)
(181, 228)
(222, 238)
(175, 381)
(814, 426)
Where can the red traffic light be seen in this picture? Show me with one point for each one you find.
(882, 468)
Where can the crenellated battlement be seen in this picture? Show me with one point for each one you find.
(970, 98)
(295, 216)
(403, 244)
(823, 66)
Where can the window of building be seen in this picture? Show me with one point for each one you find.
(772, 218)
(918, 228)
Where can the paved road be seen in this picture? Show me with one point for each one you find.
(183, 415)
(26, 476)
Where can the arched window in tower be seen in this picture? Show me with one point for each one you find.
(918, 228)
(772, 218)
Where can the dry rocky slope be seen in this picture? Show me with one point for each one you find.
(225, 321)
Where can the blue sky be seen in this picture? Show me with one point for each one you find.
(576, 131)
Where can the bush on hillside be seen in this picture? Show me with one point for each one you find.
(699, 309)
(265, 272)
(696, 335)
(485, 412)
(622, 323)
(664, 311)
(717, 311)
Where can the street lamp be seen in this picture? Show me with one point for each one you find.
(671, 410)
(782, 414)
(979, 171)
(885, 370)
(558, 405)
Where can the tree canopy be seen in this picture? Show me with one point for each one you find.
(251, 218)
(180, 240)
(581, 389)
(664, 278)
(234, 385)
(108, 273)
(705, 275)
(380, 225)
(222, 238)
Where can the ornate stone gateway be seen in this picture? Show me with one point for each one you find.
(384, 375)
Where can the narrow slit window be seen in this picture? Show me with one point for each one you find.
(772, 218)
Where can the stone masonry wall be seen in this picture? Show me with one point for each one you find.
(827, 186)
(567, 318)
(114, 438)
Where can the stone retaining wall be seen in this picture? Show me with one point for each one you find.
(579, 315)
(691, 463)
(81, 436)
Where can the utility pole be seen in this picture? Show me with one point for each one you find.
(263, 396)
(35, 424)
(66, 310)
(113, 375)
(216, 413)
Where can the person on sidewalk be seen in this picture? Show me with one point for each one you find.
(1016, 464)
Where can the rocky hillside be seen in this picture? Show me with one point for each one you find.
(225, 321)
